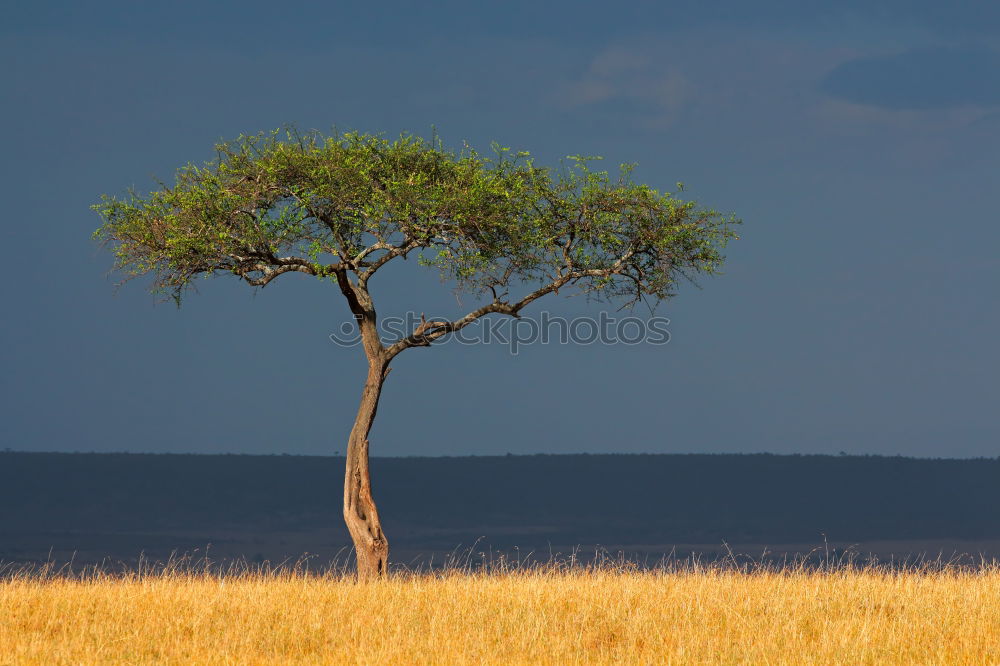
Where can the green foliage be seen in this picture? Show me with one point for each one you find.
(280, 201)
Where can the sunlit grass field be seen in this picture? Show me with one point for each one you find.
(546, 615)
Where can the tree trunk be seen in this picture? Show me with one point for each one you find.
(360, 514)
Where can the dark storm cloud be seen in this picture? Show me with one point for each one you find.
(925, 78)
(859, 310)
(257, 22)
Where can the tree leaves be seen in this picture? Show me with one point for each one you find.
(282, 201)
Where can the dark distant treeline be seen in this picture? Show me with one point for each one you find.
(610, 499)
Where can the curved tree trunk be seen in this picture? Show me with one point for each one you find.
(360, 514)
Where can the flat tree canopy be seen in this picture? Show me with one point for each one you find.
(341, 207)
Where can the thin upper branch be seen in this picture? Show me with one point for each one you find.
(268, 273)
(391, 252)
(270, 267)
(428, 331)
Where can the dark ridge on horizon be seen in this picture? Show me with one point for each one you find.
(634, 454)
(267, 505)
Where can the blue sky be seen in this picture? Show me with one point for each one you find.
(860, 143)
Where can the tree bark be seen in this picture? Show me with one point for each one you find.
(360, 514)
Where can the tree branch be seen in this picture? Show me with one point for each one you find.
(392, 251)
(273, 266)
(268, 273)
(429, 331)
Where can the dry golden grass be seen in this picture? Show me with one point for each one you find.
(556, 616)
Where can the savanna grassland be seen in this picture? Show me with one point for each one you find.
(847, 615)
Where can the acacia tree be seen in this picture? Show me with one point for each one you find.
(340, 208)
